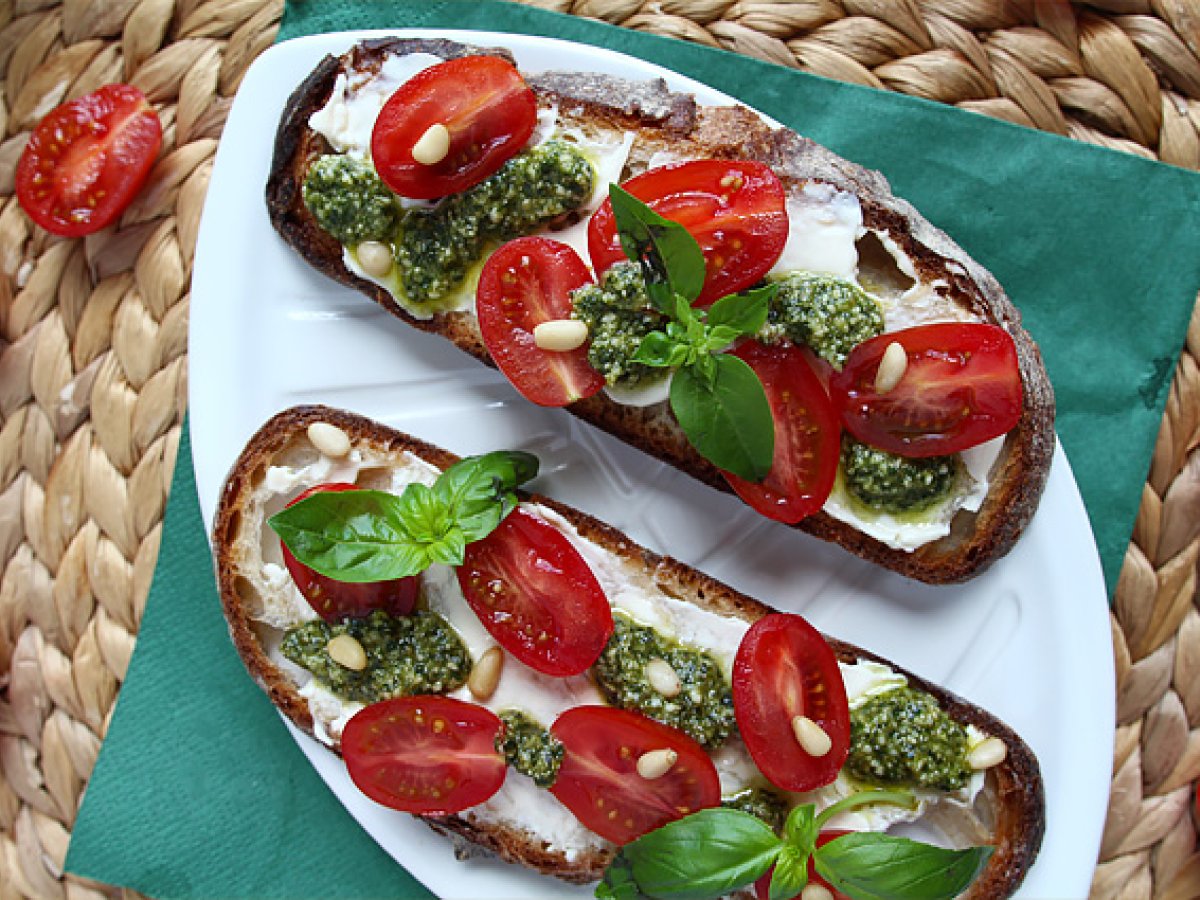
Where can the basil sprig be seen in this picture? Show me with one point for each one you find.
(360, 536)
(717, 399)
(714, 851)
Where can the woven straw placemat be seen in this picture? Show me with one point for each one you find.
(93, 343)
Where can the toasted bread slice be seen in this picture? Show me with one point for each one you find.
(1007, 811)
(664, 122)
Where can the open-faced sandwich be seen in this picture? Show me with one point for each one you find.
(753, 310)
(531, 682)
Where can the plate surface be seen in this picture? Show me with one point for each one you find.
(1029, 640)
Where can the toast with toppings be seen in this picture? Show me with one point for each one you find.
(999, 804)
(914, 271)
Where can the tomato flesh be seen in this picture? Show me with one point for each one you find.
(335, 600)
(762, 887)
(807, 436)
(87, 159)
(961, 387)
(784, 669)
(484, 104)
(536, 596)
(428, 754)
(735, 209)
(523, 284)
(599, 781)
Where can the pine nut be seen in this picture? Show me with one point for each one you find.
(485, 675)
(656, 763)
(431, 148)
(811, 736)
(375, 258)
(345, 650)
(814, 891)
(560, 334)
(987, 753)
(663, 678)
(329, 439)
(891, 368)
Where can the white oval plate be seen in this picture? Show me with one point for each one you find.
(1029, 640)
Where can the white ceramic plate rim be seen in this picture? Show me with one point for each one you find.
(1068, 719)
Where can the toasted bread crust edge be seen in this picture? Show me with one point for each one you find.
(1016, 783)
(649, 108)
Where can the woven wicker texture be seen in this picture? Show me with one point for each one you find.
(93, 343)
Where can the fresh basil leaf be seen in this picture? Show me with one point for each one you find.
(618, 883)
(354, 536)
(872, 866)
(728, 419)
(660, 351)
(745, 312)
(791, 873)
(699, 857)
(800, 829)
(480, 491)
(720, 337)
(671, 260)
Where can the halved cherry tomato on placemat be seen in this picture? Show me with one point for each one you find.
(783, 670)
(762, 887)
(961, 386)
(335, 600)
(427, 754)
(523, 284)
(807, 436)
(599, 779)
(536, 596)
(735, 209)
(484, 106)
(87, 159)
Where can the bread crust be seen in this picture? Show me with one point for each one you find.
(1014, 787)
(665, 120)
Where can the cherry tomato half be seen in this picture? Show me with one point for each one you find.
(735, 209)
(961, 387)
(523, 284)
(762, 887)
(335, 600)
(87, 159)
(785, 669)
(536, 596)
(482, 101)
(807, 436)
(599, 780)
(427, 754)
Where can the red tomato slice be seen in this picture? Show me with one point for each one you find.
(962, 386)
(427, 754)
(536, 596)
(523, 284)
(762, 887)
(735, 209)
(335, 600)
(481, 100)
(87, 159)
(599, 781)
(807, 436)
(784, 669)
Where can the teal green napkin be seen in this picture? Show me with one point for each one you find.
(200, 792)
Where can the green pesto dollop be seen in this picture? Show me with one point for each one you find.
(618, 315)
(895, 484)
(828, 314)
(703, 709)
(529, 748)
(416, 654)
(764, 803)
(348, 200)
(436, 247)
(903, 737)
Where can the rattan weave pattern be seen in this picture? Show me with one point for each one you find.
(93, 352)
